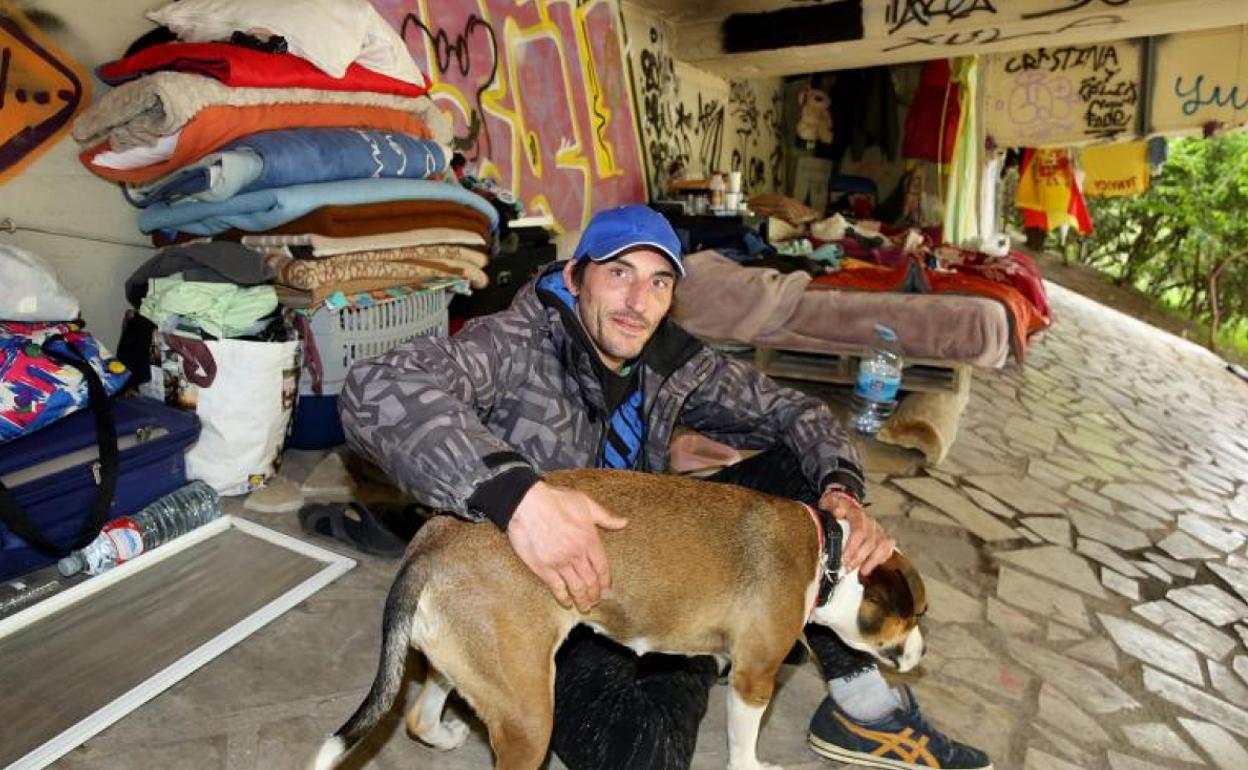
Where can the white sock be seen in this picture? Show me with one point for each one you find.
(865, 696)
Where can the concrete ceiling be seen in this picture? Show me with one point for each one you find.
(897, 31)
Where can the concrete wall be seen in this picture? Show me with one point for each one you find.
(538, 93)
(94, 241)
(1063, 95)
(1070, 95)
(1201, 77)
(709, 123)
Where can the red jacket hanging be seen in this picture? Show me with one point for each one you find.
(932, 120)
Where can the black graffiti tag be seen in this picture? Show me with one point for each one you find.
(1101, 58)
(1073, 5)
(1195, 97)
(995, 35)
(904, 13)
(444, 50)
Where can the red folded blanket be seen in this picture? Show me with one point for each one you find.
(238, 66)
(1016, 269)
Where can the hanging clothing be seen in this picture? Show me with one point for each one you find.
(1048, 192)
(864, 111)
(1115, 170)
(934, 115)
(961, 223)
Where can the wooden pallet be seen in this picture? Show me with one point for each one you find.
(917, 375)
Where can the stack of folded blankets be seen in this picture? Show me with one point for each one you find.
(308, 137)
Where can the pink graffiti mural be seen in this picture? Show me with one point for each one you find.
(538, 95)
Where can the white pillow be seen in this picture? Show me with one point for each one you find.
(331, 34)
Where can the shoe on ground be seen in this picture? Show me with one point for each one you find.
(900, 741)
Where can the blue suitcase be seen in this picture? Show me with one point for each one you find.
(58, 477)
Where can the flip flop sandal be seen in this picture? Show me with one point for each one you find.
(352, 524)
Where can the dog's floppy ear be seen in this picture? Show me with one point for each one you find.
(914, 581)
(897, 583)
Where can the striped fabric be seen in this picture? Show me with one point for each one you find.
(625, 436)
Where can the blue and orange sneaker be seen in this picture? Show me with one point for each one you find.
(901, 741)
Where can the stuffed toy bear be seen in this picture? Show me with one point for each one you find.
(815, 123)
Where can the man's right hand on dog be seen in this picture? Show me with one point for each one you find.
(555, 533)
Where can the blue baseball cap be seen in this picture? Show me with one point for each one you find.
(614, 232)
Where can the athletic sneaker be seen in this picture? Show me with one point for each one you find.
(900, 741)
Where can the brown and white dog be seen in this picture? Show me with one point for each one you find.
(701, 568)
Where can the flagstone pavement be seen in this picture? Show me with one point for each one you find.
(1102, 624)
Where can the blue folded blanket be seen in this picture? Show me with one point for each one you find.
(265, 209)
(296, 156)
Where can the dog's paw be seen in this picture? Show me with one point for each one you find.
(447, 735)
(755, 765)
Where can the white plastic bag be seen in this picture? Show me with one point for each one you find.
(244, 399)
(30, 291)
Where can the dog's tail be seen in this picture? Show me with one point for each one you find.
(396, 635)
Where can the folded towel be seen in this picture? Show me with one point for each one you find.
(214, 127)
(143, 110)
(398, 264)
(296, 156)
(390, 217)
(266, 209)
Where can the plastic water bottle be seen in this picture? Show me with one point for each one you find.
(879, 377)
(124, 538)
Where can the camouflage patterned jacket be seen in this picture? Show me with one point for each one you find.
(466, 423)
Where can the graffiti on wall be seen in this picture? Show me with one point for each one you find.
(757, 113)
(1198, 94)
(901, 14)
(942, 24)
(703, 123)
(41, 90)
(537, 94)
(1063, 95)
(1197, 83)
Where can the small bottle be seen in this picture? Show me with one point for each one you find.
(717, 192)
(879, 378)
(124, 538)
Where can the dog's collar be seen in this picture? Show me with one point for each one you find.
(830, 544)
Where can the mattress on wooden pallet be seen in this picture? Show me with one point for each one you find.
(723, 301)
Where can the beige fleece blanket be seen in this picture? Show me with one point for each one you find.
(328, 246)
(138, 113)
(721, 300)
(401, 265)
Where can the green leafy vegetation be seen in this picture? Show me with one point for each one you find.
(1185, 242)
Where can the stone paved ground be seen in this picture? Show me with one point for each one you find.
(1104, 624)
(1083, 547)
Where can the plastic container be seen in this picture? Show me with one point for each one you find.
(879, 379)
(164, 519)
(350, 334)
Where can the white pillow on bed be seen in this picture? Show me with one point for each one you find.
(329, 33)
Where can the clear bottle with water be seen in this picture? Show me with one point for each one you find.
(879, 378)
(124, 538)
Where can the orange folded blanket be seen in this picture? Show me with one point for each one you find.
(216, 126)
